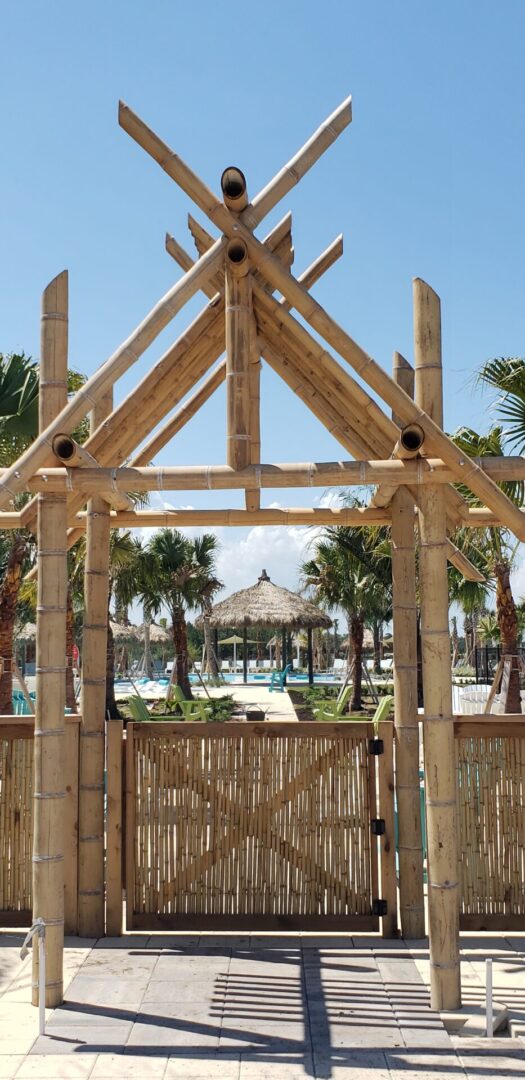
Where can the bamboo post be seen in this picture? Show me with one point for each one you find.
(387, 843)
(93, 697)
(242, 385)
(71, 825)
(114, 828)
(406, 723)
(49, 778)
(438, 732)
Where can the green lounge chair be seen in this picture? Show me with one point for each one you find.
(139, 710)
(191, 710)
(381, 713)
(331, 711)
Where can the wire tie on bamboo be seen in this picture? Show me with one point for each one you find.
(94, 682)
(97, 573)
(257, 477)
(445, 885)
(443, 966)
(95, 626)
(441, 802)
(49, 794)
(51, 551)
(91, 787)
(69, 480)
(41, 733)
(54, 315)
(47, 858)
(160, 479)
(51, 670)
(93, 734)
(52, 382)
(43, 608)
(90, 839)
(90, 892)
(54, 922)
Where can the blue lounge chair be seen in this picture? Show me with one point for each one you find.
(278, 679)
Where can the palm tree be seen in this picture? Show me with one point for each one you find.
(346, 573)
(205, 548)
(506, 375)
(497, 548)
(176, 574)
(125, 554)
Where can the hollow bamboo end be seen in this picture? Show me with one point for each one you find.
(412, 438)
(233, 187)
(64, 447)
(237, 256)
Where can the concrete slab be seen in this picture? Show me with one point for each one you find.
(52, 1067)
(85, 1040)
(199, 1068)
(128, 1067)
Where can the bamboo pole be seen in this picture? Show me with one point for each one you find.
(49, 778)
(279, 186)
(265, 516)
(114, 829)
(479, 517)
(414, 473)
(241, 343)
(70, 454)
(438, 740)
(168, 381)
(373, 374)
(183, 415)
(406, 722)
(93, 707)
(116, 365)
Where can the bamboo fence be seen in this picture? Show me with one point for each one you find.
(490, 762)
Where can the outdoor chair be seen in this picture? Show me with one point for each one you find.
(191, 710)
(333, 710)
(381, 713)
(278, 678)
(138, 709)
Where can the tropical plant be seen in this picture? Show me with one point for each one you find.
(347, 572)
(496, 548)
(506, 375)
(177, 573)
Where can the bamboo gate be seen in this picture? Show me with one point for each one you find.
(404, 453)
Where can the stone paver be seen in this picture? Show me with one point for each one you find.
(253, 1007)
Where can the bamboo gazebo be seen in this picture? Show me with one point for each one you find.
(402, 450)
(272, 607)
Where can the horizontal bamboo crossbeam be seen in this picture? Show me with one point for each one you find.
(286, 474)
(264, 516)
(478, 518)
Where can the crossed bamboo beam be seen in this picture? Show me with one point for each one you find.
(239, 227)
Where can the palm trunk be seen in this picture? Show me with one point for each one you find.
(8, 601)
(357, 627)
(508, 626)
(376, 630)
(211, 660)
(70, 642)
(180, 643)
(455, 641)
(111, 705)
(468, 639)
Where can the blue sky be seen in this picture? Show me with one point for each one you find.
(427, 181)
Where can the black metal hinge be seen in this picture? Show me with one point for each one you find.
(379, 907)
(376, 747)
(378, 826)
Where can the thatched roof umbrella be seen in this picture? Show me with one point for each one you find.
(269, 605)
(27, 632)
(121, 632)
(157, 634)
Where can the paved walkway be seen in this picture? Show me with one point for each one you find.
(248, 1008)
(276, 705)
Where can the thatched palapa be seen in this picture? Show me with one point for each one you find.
(266, 604)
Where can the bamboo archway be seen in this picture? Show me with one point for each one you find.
(404, 452)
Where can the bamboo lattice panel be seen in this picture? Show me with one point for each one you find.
(257, 827)
(16, 824)
(491, 796)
